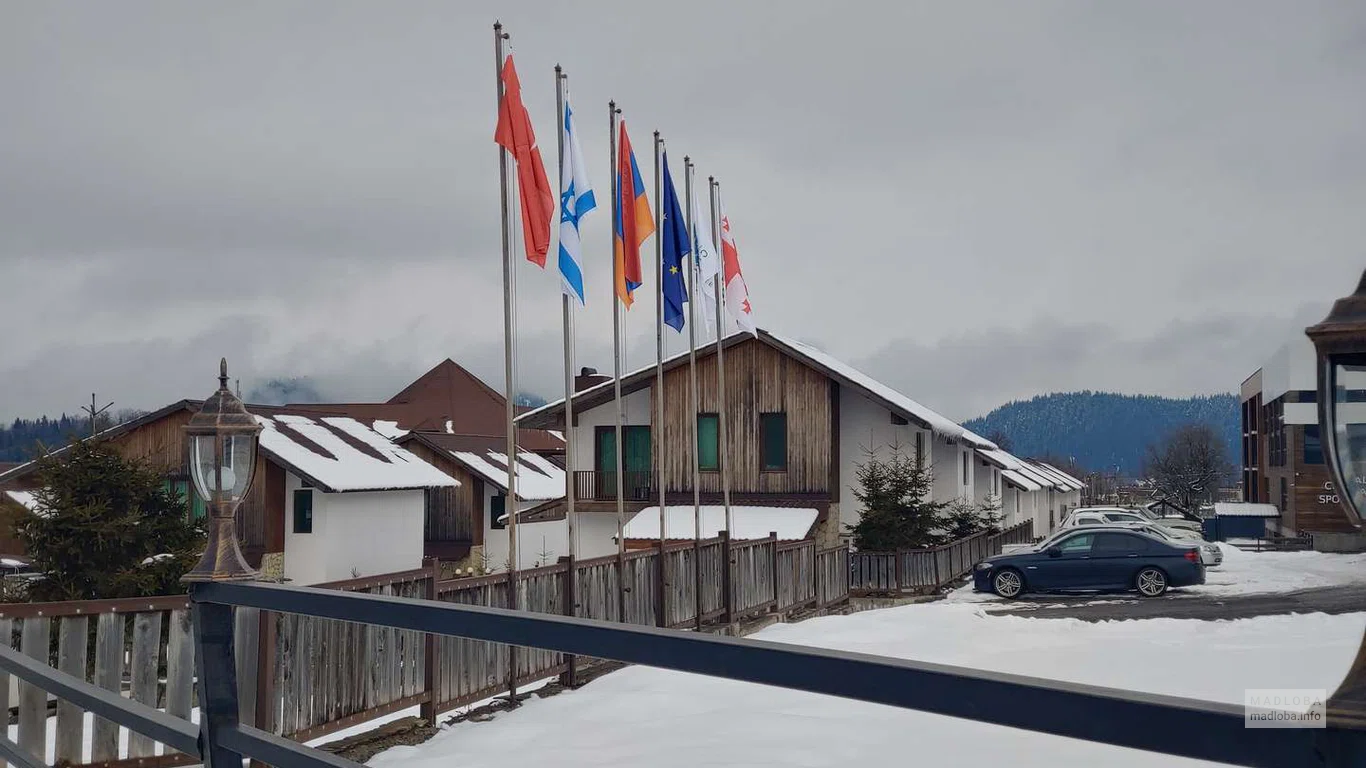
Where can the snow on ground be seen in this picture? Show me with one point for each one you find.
(1246, 573)
(1243, 573)
(644, 716)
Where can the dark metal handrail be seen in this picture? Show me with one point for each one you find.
(1166, 724)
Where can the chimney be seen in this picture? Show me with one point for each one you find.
(588, 377)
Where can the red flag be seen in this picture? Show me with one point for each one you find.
(514, 134)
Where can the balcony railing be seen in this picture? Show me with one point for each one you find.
(640, 486)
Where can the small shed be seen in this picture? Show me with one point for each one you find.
(1232, 520)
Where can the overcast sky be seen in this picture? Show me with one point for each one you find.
(974, 201)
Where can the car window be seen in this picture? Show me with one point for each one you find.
(1122, 517)
(1077, 544)
(1114, 543)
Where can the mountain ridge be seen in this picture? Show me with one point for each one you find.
(1104, 430)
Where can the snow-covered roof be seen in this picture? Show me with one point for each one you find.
(1020, 480)
(24, 498)
(1237, 509)
(1060, 479)
(537, 479)
(838, 369)
(790, 523)
(388, 428)
(341, 454)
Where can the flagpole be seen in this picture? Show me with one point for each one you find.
(616, 381)
(692, 393)
(659, 373)
(509, 288)
(721, 360)
(572, 542)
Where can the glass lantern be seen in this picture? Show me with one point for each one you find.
(222, 440)
(1340, 341)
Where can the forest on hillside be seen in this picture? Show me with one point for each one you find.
(1103, 430)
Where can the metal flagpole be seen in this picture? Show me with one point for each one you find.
(658, 431)
(692, 392)
(509, 294)
(570, 591)
(619, 449)
(726, 567)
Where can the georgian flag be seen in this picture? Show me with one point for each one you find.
(736, 292)
(576, 200)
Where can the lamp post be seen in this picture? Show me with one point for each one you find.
(223, 437)
(1340, 341)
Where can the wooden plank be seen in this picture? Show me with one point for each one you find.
(72, 639)
(246, 646)
(35, 643)
(109, 634)
(145, 660)
(286, 690)
(179, 664)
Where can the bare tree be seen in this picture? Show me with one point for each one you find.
(1188, 465)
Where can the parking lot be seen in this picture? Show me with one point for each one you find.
(1246, 584)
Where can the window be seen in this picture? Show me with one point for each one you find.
(708, 442)
(919, 447)
(773, 442)
(963, 459)
(1313, 445)
(1116, 544)
(303, 511)
(497, 508)
(1077, 545)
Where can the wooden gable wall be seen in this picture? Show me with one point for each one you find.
(759, 379)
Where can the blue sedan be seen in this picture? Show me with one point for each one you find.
(1091, 559)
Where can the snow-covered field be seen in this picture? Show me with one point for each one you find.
(1244, 573)
(641, 716)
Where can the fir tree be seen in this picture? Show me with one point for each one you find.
(966, 519)
(110, 527)
(898, 510)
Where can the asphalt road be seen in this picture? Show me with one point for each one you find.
(1179, 605)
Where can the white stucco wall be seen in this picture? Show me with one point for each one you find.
(865, 425)
(947, 468)
(364, 533)
(637, 407)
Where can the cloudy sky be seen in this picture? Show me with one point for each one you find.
(974, 201)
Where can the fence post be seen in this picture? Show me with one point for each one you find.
(265, 675)
(896, 568)
(816, 573)
(217, 671)
(777, 593)
(727, 566)
(934, 558)
(427, 710)
(569, 678)
(662, 589)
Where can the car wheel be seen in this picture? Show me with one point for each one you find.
(1151, 582)
(1008, 583)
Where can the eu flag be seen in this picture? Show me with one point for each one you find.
(677, 247)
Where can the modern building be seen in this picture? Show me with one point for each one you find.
(1282, 450)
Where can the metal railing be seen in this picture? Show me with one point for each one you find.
(1164, 724)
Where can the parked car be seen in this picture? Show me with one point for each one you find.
(1210, 554)
(1102, 516)
(1090, 560)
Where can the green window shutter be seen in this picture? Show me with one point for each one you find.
(708, 442)
(773, 441)
(303, 511)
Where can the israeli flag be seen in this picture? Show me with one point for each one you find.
(576, 200)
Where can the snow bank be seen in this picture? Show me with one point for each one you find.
(641, 716)
(1249, 573)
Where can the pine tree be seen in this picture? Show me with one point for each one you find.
(898, 510)
(110, 527)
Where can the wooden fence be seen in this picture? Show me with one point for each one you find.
(928, 570)
(317, 676)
